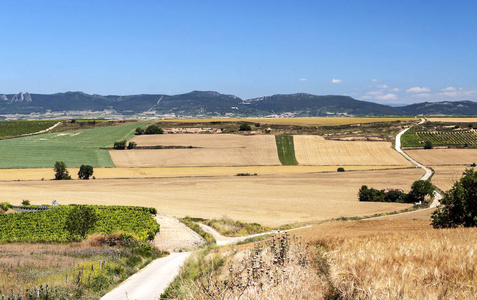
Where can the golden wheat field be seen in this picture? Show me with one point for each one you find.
(453, 120)
(298, 121)
(214, 150)
(399, 259)
(270, 200)
(436, 157)
(446, 176)
(136, 173)
(315, 150)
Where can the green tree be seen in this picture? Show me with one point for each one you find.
(428, 145)
(132, 145)
(139, 131)
(419, 190)
(81, 220)
(458, 206)
(120, 145)
(245, 127)
(85, 172)
(26, 202)
(154, 129)
(61, 173)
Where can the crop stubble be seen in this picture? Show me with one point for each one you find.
(269, 200)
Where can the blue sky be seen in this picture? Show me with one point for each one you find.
(380, 51)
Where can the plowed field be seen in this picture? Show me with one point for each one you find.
(315, 150)
(436, 157)
(214, 150)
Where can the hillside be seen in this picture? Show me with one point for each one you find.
(211, 104)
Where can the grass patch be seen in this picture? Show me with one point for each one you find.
(191, 223)
(75, 148)
(229, 227)
(15, 128)
(286, 149)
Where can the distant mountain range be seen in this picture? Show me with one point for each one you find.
(212, 104)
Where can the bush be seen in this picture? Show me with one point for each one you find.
(245, 127)
(139, 131)
(26, 202)
(61, 173)
(428, 145)
(132, 145)
(85, 172)
(120, 145)
(341, 169)
(459, 205)
(81, 220)
(5, 206)
(154, 129)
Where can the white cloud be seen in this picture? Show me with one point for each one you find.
(387, 97)
(374, 93)
(382, 86)
(303, 79)
(423, 95)
(449, 89)
(418, 90)
(375, 80)
(336, 80)
(394, 90)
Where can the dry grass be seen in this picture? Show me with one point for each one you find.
(298, 121)
(315, 150)
(446, 176)
(452, 120)
(399, 259)
(135, 173)
(442, 157)
(270, 200)
(215, 150)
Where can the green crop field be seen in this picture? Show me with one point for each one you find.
(73, 147)
(286, 149)
(439, 138)
(49, 226)
(15, 128)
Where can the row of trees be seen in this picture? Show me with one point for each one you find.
(61, 173)
(419, 190)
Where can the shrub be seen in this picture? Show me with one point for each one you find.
(132, 145)
(81, 219)
(5, 206)
(341, 169)
(154, 129)
(139, 131)
(61, 173)
(120, 145)
(85, 172)
(26, 202)
(428, 145)
(245, 127)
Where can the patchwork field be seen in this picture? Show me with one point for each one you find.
(214, 150)
(269, 200)
(299, 121)
(452, 120)
(73, 147)
(436, 157)
(315, 150)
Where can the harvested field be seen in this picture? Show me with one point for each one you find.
(134, 173)
(446, 176)
(442, 157)
(298, 121)
(452, 120)
(315, 150)
(270, 200)
(215, 150)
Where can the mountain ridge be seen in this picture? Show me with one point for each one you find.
(213, 104)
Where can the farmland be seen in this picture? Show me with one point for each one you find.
(270, 200)
(286, 149)
(444, 157)
(73, 147)
(15, 128)
(315, 150)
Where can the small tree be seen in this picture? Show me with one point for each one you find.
(154, 129)
(81, 220)
(459, 205)
(428, 145)
(139, 131)
(419, 190)
(132, 145)
(26, 202)
(120, 145)
(340, 169)
(85, 172)
(245, 127)
(61, 173)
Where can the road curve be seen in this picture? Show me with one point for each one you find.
(151, 281)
